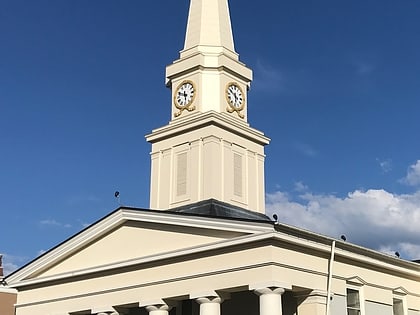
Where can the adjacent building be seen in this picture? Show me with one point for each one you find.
(7, 295)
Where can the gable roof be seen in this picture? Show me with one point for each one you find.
(150, 236)
(162, 233)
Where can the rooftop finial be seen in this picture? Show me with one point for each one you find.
(1, 266)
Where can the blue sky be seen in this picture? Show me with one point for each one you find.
(336, 88)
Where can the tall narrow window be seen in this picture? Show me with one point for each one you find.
(398, 306)
(237, 175)
(353, 302)
(181, 174)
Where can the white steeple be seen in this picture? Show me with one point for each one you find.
(209, 25)
(207, 64)
(208, 150)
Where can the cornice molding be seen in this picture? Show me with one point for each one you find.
(360, 254)
(198, 120)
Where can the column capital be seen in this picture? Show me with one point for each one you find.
(209, 302)
(269, 284)
(270, 295)
(269, 290)
(209, 297)
(269, 287)
(155, 305)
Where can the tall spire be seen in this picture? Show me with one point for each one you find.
(209, 25)
(208, 150)
(209, 62)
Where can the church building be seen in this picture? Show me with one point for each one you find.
(205, 246)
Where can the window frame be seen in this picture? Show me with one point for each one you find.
(359, 290)
(402, 298)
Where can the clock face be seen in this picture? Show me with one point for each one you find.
(184, 95)
(235, 96)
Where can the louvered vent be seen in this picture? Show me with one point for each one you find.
(237, 174)
(181, 179)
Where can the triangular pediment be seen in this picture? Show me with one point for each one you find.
(130, 236)
(357, 281)
(400, 291)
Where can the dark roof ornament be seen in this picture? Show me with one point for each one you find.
(216, 208)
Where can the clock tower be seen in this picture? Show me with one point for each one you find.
(208, 150)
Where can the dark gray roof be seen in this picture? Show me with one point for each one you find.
(215, 208)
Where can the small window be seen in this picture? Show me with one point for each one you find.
(398, 306)
(353, 302)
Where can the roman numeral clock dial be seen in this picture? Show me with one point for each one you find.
(184, 97)
(235, 99)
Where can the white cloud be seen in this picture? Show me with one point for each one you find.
(305, 149)
(374, 218)
(411, 250)
(49, 222)
(385, 165)
(268, 78)
(301, 187)
(11, 263)
(413, 175)
(363, 67)
(52, 222)
(79, 199)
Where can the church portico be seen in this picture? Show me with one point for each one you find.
(242, 267)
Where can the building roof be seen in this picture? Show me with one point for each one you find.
(215, 208)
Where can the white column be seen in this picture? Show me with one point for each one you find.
(158, 309)
(270, 300)
(209, 302)
(209, 305)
